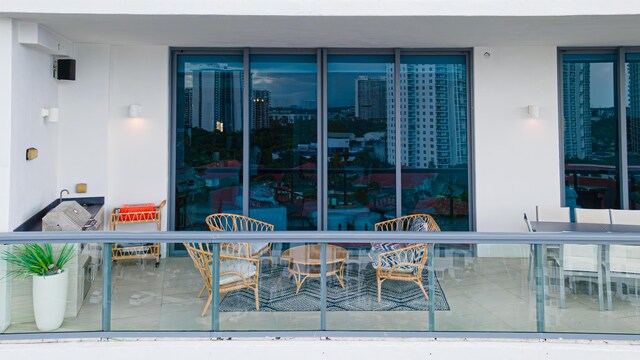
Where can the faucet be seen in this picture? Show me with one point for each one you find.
(63, 190)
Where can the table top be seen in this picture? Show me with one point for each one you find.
(310, 254)
(548, 226)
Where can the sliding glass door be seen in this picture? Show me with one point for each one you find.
(361, 178)
(208, 138)
(321, 139)
(591, 143)
(283, 150)
(433, 134)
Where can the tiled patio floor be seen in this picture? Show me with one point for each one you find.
(489, 294)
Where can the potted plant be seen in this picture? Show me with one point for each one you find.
(50, 280)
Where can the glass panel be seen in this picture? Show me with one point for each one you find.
(591, 150)
(167, 296)
(433, 129)
(493, 291)
(633, 128)
(69, 301)
(208, 138)
(594, 288)
(283, 141)
(354, 300)
(361, 167)
(285, 277)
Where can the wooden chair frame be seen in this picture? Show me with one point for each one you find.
(233, 222)
(400, 257)
(202, 258)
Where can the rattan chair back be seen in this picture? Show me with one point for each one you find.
(405, 223)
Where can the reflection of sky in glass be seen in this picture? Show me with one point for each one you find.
(342, 78)
(290, 83)
(190, 67)
(601, 87)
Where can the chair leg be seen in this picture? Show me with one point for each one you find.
(423, 291)
(206, 307)
(562, 289)
(255, 294)
(600, 291)
(379, 290)
(202, 290)
(607, 279)
(531, 270)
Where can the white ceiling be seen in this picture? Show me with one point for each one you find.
(343, 31)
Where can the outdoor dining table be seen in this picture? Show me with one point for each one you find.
(560, 227)
(549, 226)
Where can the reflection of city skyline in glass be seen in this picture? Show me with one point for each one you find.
(590, 117)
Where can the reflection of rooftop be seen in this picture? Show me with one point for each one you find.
(229, 163)
(388, 180)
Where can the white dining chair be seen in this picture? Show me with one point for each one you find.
(624, 260)
(584, 260)
(593, 216)
(551, 214)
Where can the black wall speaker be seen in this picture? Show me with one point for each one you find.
(66, 69)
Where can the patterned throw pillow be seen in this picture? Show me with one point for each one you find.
(389, 261)
(419, 225)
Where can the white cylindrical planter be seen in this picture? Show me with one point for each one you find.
(50, 300)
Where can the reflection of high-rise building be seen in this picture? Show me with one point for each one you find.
(633, 114)
(433, 115)
(308, 104)
(188, 107)
(371, 97)
(260, 104)
(577, 110)
(217, 99)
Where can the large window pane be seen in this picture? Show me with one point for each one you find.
(283, 140)
(633, 128)
(591, 150)
(361, 168)
(208, 138)
(433, 131)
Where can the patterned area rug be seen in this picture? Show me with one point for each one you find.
(278, 293)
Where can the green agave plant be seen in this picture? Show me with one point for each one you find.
(37, 259)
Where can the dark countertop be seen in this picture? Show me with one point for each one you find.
(34, 223)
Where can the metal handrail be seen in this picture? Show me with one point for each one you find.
(409, 237)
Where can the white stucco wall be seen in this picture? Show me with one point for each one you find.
(138, 148)
(123, 159)
(26, 86)
(84, 115)
(32, 183)
(517, 161)
(6, 36)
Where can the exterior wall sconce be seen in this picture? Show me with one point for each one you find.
(135, 110)
(51, 115)
(533, 111)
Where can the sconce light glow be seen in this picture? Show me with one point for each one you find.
(51, 114)
(534, 111)
(135, 110)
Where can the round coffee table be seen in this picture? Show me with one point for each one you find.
(304, 262)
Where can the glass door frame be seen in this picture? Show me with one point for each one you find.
(620, 95)
(322, 118)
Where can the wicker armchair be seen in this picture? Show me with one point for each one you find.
(237, 269)
(402, 263)
(233, 222)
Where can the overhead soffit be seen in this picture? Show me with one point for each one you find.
(343, 31)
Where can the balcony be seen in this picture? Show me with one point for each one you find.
(483, 283)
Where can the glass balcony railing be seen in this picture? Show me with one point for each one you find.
(297, 283)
